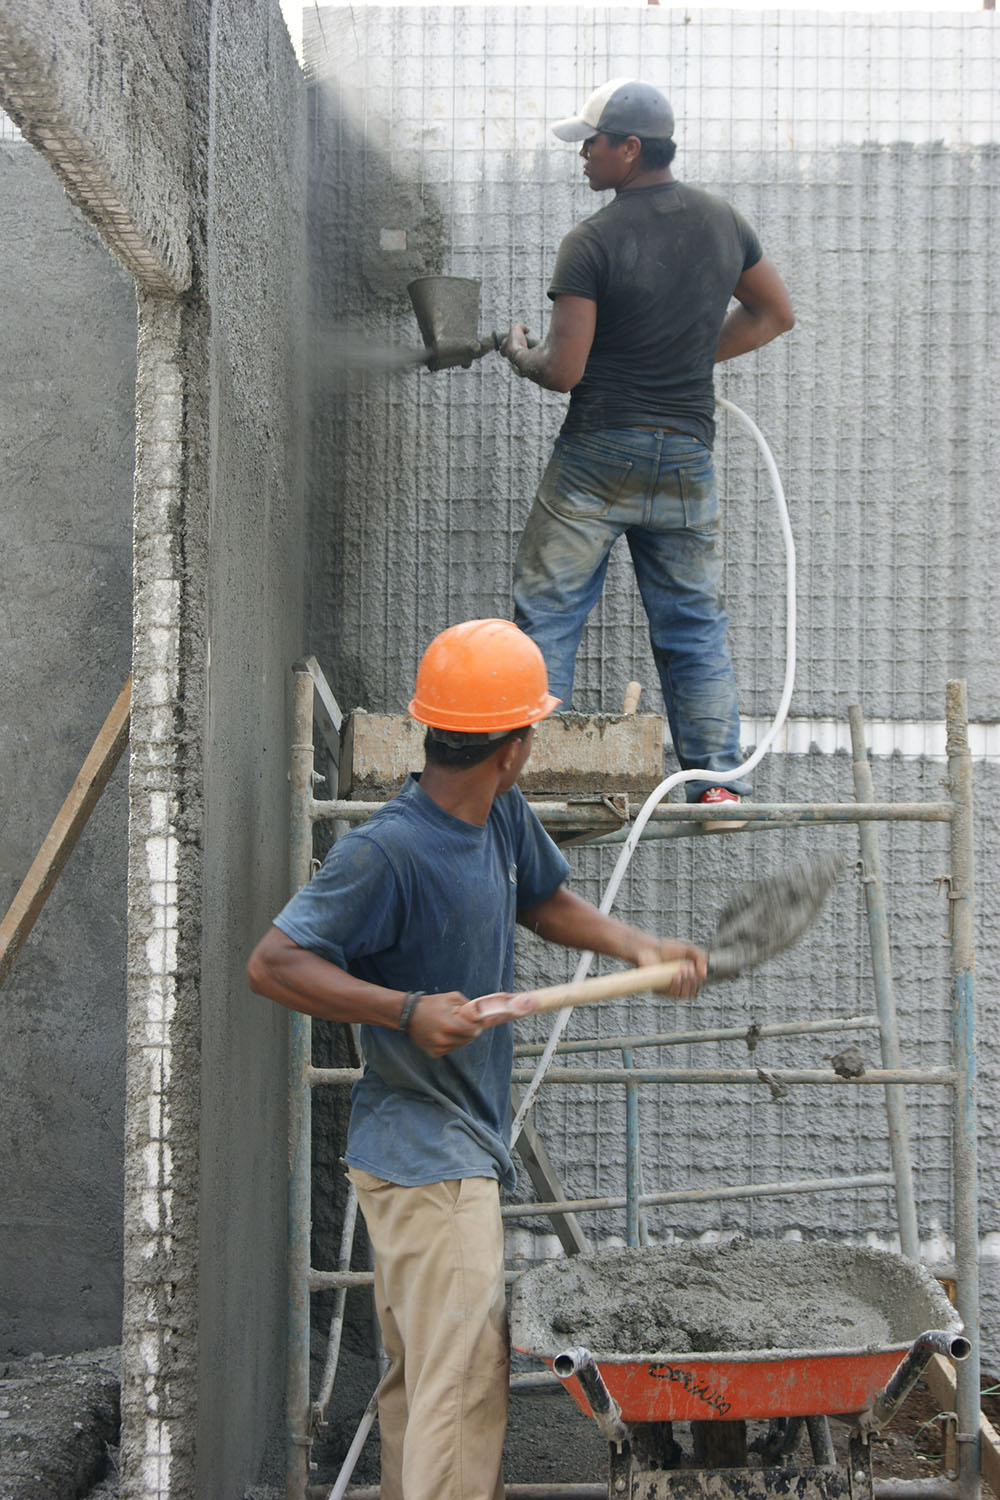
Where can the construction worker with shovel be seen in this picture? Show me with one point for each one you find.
(412, 914)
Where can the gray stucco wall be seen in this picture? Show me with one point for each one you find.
(864, 149)
(254, 631)
(67, 393)
(219, 558)
(192, 122)
(104, 95)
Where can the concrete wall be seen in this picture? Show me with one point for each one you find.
(191, 123)
(67, 396)
(865, 151)
(253, 632)
(112, 120)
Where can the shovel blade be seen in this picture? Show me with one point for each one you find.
(766, 918)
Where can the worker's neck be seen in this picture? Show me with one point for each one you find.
(645, 179)
(465, 794)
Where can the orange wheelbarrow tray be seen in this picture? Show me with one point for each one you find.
(866, 1384)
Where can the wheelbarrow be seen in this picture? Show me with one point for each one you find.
(834, 1332)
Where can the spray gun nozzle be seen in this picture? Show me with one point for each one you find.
(449, 354)
(447, 311)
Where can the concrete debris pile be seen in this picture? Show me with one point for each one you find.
(59, 1421)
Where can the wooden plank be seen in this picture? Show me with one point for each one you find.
(939, 1375)
(573, 755)
(538, 1165)
(61, 838)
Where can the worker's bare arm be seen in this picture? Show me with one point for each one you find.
(567, 919)
(303, 981)
(559, 361)
(765, 311)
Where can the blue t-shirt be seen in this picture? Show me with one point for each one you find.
(416, 899)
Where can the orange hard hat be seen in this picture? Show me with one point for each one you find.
(481, 676)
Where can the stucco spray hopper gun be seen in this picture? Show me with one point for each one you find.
(447, 309)
(754, 925)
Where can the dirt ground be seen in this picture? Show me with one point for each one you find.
(59, 1427)
(58, 1434)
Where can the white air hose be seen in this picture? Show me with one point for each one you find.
(717, 778)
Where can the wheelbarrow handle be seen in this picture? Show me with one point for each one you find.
(494, 1010)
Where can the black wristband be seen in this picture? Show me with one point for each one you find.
(410, 1001)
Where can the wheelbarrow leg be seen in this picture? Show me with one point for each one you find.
(860, 1461)
(781, 1439)
(654, 1446)
(820, 1440)
(650, 1450)
(719, 1445)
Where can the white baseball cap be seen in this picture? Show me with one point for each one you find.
(623, 106)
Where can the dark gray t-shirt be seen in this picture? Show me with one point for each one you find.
(661, 264)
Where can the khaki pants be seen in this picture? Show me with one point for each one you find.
(439, 1294)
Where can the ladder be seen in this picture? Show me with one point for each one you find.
(314, 703)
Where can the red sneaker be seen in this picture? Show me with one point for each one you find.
(717, 796)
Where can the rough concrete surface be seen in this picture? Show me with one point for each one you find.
(102, 90)
(67, 435)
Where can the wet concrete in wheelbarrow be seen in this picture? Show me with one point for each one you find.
(743, 1296)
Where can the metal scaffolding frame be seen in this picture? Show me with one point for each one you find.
(599, 821)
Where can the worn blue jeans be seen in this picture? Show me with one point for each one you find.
(658, 488)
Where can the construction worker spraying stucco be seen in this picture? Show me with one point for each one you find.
(410, 915)
(640, 294)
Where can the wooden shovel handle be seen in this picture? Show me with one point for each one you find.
(494, 1009)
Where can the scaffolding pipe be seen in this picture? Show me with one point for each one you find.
(700, 1195)
(885, 998)
(511, 1492)
(340, 1304)
(932, 1488)
(751, 1035)
(964, 1135)
(583, 816)
(297, 1410)
(634, 1214)
(357, 1443)
(942, 1076)
(821, 1076)
(328, 1281)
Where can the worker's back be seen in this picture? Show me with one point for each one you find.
(661, 263)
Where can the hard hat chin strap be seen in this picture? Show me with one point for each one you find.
(460, 740)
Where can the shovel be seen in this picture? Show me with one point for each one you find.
(754, 925)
